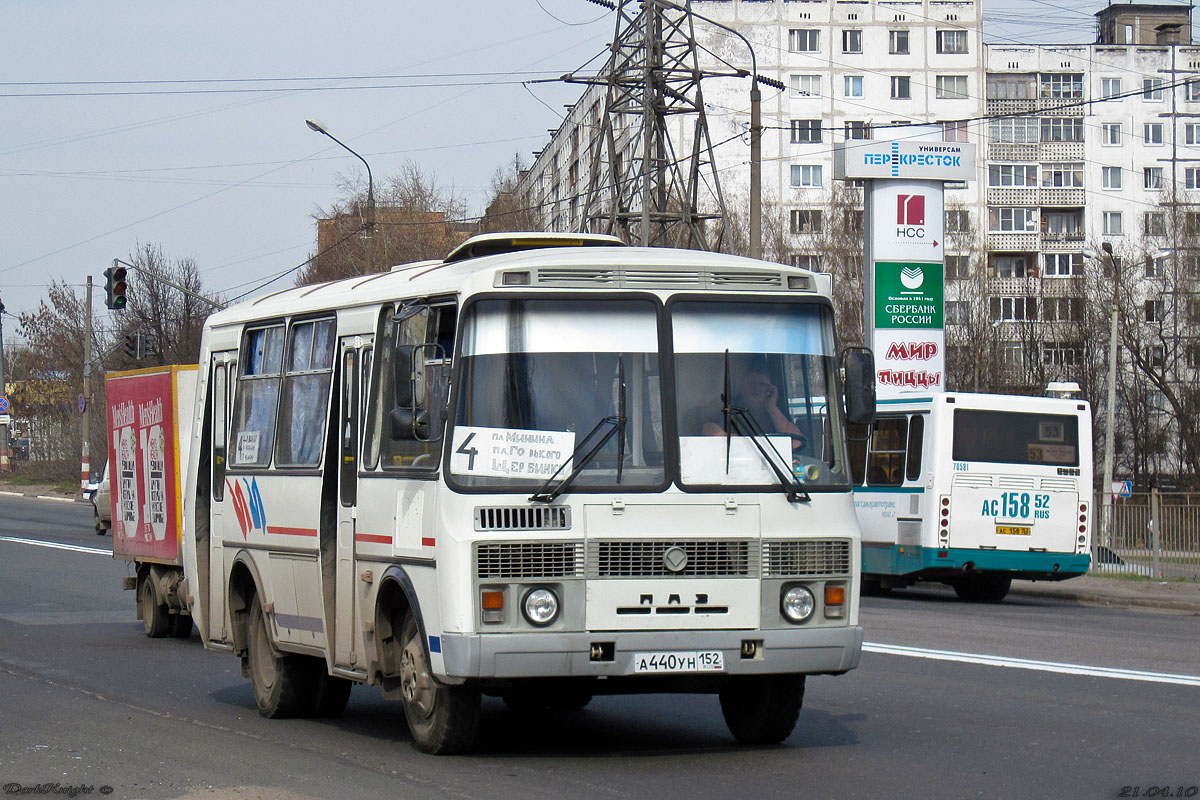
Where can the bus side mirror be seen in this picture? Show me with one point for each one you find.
(408, 424)
(858, 374)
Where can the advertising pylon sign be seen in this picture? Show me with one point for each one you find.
(904, 255)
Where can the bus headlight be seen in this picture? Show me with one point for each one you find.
(540, 607)
(797, 604)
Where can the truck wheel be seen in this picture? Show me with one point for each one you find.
(979, 589)
(181, 626)
(283, 684)
(442, 719)
(101, 528)
(762, 709)
(156, 620)
(332, 693)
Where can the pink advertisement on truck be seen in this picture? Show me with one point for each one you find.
(143, 464)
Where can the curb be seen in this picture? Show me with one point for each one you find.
(1092, 598)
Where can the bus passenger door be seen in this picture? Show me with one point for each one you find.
(224, 367)
(349, 424)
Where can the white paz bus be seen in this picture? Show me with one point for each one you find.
(974, 490)
(542, 469)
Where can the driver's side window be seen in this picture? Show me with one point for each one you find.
(431, 325)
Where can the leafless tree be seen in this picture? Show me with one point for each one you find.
(414, 219)
(509, 209)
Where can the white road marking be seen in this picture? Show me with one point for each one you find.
(56, 499)
(1025, 663)
(57, 545)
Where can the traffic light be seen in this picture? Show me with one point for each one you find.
(114, 287)
(133, 345)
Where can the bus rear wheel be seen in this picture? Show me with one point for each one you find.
(980, 589)
(443, 719)
(283, 684)
(762, 709)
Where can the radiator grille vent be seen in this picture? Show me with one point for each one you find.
(522, 518)
(973, 481)
(666, 278)
(646, 558)
(1012, 482)
(1059, 484)
(506, 560)
(810, 557)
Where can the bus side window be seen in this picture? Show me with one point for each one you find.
(304, 405)
(257, 397)
(916, 433)
(220, 392)
(433, 324)
(888, 440)
(442, 332)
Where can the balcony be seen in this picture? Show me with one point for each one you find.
(1012, 242)
(1012, 196)
(1060, 151)
(996, 107)
(1013, 151)
(1062, 196)
(1064, 240)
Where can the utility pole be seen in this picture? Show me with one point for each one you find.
(641, 186)
(85, 467)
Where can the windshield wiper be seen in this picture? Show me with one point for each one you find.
(741, 419)
(546, 494)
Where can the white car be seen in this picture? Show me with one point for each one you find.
(101, 498)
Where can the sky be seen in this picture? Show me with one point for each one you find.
(182, 124)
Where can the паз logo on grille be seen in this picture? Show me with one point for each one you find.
(910, 209)
(675, 559)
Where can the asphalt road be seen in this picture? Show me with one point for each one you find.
(1080, 710)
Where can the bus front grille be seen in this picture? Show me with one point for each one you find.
(794, 558)
(653, 558)
(523, 518)
(508, 560)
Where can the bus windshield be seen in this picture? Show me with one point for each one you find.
(1010, 437)
(777, 360)
(539, 375)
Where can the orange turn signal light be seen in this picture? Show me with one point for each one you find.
(835, 595)
(493, 601)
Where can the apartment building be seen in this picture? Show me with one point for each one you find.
(1079, 146)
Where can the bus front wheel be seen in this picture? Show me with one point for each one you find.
(443, 719)
(762, 709)
(980, 589)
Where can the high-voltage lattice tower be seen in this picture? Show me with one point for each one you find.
(642, 184)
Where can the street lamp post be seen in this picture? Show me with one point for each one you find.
(319, 127)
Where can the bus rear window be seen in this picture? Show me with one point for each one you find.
(1010, 437)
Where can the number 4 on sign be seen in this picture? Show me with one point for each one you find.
(469, 452)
